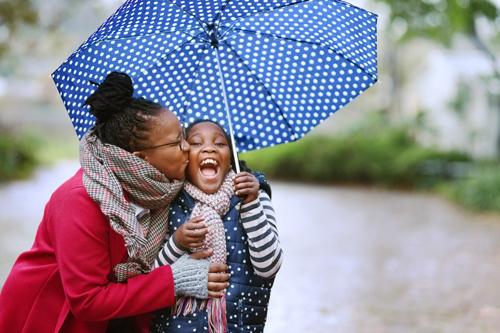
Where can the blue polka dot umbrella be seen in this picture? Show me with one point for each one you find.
(267, 71)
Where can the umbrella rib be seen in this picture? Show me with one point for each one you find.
(263, 87)
(177, 48)
(198, 37)
(275, 8)
(166, 55)
(299, 3)
(189, 13)
(219, 14)
(149, 35)
(229, 29)
(310, 43)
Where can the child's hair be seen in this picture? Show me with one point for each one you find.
(243, 164)
(122, 120)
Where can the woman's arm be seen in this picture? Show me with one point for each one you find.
(259, 221)
(80, 235)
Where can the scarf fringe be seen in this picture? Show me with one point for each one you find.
(216, 311)
(217, 322)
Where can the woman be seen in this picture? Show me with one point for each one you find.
(91, 260)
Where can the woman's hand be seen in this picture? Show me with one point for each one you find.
(246, 186)
(191, 234)
(217, 275)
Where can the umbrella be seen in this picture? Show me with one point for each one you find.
(267, 71)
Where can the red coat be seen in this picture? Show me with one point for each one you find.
(65, 283)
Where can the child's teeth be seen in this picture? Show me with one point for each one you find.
(209, 161)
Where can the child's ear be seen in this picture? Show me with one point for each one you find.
(140, 154)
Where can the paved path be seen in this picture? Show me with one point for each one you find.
(356, 260)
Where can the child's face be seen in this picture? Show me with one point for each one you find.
(209, 157)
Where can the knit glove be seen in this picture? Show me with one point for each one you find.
(190, 276)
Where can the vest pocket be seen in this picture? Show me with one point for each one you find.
(250, 314)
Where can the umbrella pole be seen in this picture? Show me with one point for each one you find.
(231, 133)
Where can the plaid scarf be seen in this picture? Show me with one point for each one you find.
(212, 207)
(108, 172)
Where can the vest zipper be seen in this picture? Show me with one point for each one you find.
(240, 312)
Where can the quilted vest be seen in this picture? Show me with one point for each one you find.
(247, 296)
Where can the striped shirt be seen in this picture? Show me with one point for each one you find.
(259, 221)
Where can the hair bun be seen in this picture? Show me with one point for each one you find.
(112, 96)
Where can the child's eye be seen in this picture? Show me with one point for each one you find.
(195, 143)
(220, 144)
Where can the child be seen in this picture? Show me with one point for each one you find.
(224, 211)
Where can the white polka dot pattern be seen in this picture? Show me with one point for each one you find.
(286, 65)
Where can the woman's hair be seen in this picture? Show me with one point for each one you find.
(122, 120)
(243, 164)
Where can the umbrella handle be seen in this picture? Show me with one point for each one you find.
(231, 133)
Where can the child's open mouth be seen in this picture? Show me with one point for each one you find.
(209, 168)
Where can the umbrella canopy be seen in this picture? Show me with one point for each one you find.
(268, 72)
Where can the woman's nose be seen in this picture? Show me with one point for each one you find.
(186, 146)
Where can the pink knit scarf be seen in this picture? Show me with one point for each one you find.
(212, 207)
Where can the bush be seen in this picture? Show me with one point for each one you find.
(480, 191)
(17, 156)
(374, 153)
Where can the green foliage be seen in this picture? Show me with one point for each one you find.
(13, 14)
(479, 191)
(462, 99)
(17, 156)
(375, 153)
(440, 19)
(23, 21)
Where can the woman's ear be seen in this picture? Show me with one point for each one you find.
(140, 154)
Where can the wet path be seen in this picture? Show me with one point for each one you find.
(356, 260)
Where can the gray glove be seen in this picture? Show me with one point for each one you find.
(190, 276)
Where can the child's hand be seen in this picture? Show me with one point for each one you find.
(246, 186)
(191, 234)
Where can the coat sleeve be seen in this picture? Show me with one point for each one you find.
(80, 236)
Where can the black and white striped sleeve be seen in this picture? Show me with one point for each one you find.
(170, 252)
(259, 221)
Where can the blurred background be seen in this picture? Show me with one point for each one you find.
(400, 188)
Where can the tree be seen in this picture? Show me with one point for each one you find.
(437, 20)
(13, 14)
(29, 18)
(440, 19)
